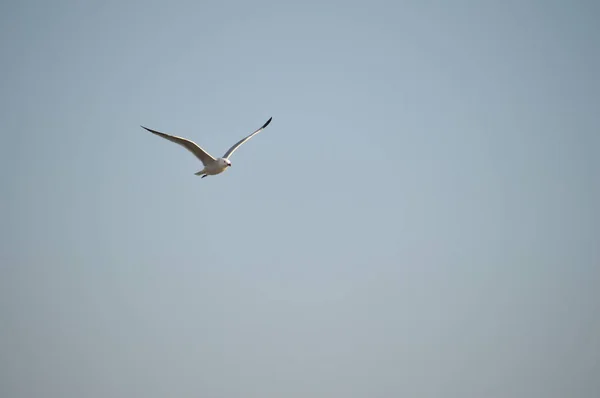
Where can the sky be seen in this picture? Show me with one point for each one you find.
(421, 217)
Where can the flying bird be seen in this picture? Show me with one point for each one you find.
(212, 166)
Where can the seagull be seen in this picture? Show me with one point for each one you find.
(212, 166)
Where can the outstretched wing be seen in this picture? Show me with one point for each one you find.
(191, 146)
(240, 142)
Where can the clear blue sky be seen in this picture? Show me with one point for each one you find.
(420, 219)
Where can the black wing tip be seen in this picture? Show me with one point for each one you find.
(267, 123)
(150, 130)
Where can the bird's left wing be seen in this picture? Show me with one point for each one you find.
(240, 142)
(191, 146)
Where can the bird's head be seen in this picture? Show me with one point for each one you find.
(225, 162)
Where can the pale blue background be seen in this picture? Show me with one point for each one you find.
(420, 219)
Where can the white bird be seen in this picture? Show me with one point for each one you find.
(212, 166)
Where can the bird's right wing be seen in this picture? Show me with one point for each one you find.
(231, 150)
(191, 146)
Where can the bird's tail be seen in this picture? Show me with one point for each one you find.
(203, 171)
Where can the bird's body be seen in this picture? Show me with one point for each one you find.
(212, 166)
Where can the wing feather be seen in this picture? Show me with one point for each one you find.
(191, 146)
(231, 150)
